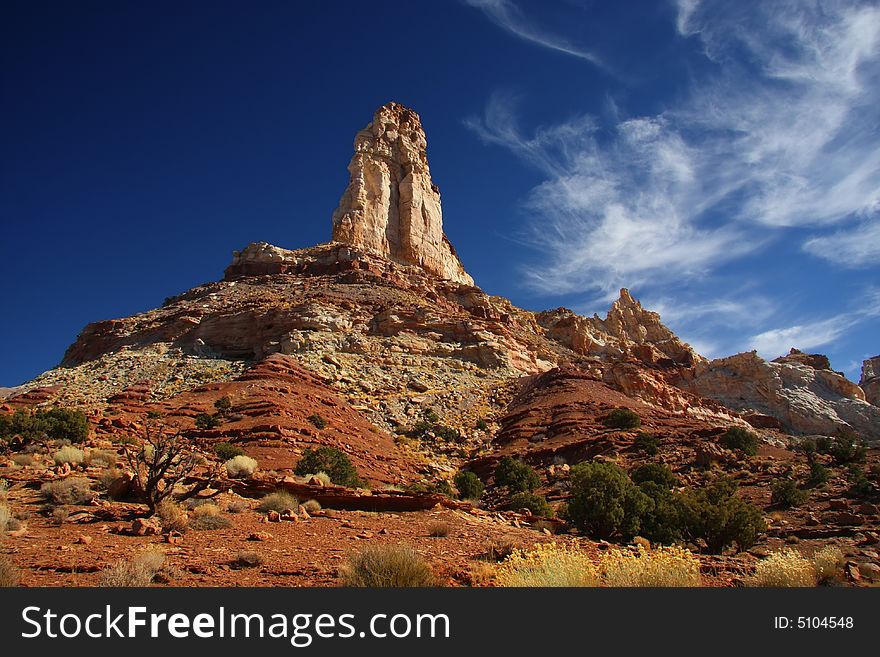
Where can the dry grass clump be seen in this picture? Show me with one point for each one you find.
(279, 502)
(69, 454)
(237, 506)
(5, 517)
(312, 506)
(548, 564)
(9, 573)
(387, 565)
(73, 490)
(321, 476)
(241, 466)
(668, 566)
(7, 520)
(207, 517)
(23, 460)
(139, 571)
(172, 516)
(60, 514)
(101, 458)
(828, 564)
(439, 529)
(789, 568)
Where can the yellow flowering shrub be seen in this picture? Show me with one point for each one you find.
(786, 568)
(547, 564)
(664, 566)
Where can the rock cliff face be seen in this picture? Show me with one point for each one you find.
(870, 381)
(804, 398)
(391, 207)
(627, 330)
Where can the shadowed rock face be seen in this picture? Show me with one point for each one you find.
(391, 207)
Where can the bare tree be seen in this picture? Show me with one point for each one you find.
(163, 463)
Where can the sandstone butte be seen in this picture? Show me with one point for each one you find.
(381, 328)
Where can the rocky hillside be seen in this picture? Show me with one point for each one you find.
(415, 372)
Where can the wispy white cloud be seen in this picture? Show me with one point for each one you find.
(506, 15)
(777, 342)
(781, 133)
(809, 335)
(854, 247)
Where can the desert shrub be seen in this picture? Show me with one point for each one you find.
(786, 568)
(9, 574)
(160, 466)
(45, 424)
(622, 418)
(469, 485)
(536, 504)
(73, 490)
(154, 415)
(334, 462)
(605, 503)
(547, 564)
(742, 439)
(318, 421)
(671, 566)
(717, 516)
(101, 458)
(172, 516)
(847, 449)
(137, 572)
(223, 405)
(482, 425)
(859, 484)
(819, 474)
(387, 565)
(23, 460)
(247, 560)
(207, 517)
(663, 521)
(227, 451)
(785, 493)
(447, 433)
(824, 444)
(279, 502)
(648, 443)
(658, 473)
(828, 564)
(240, 467)
(516, 475)
(205, 421)
(311, 506)
(68, 454)
(439, 529)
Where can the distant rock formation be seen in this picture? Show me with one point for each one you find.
(806, 399)
(870, 381)
(627, 330)
(391, 207)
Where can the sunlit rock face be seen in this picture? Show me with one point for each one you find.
(391, 207)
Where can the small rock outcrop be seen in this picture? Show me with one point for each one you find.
(391, 207)
(870, 381)
(627, 330)
(804, 398)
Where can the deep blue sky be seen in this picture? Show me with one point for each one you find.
(722, 164)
